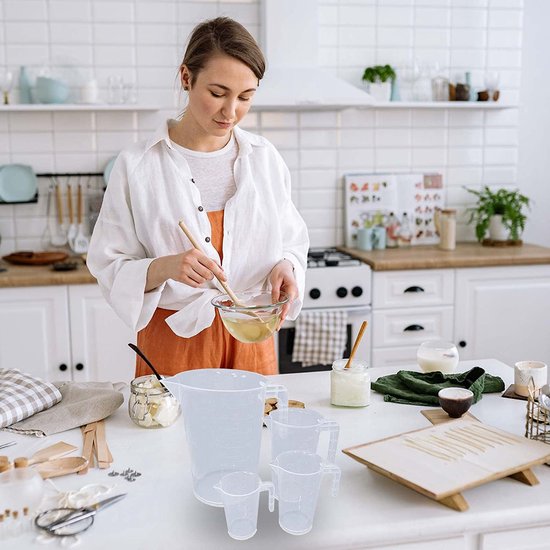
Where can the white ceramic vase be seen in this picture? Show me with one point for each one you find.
(497, 230)
(380, 91)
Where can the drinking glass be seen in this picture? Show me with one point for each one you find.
(6, 83)
(437, 356)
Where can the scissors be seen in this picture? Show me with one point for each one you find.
(65, 522)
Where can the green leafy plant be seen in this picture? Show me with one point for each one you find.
(509, 204)
(379, 73)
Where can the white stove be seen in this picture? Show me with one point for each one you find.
(336, 279)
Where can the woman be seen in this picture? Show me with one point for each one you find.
(232, 190)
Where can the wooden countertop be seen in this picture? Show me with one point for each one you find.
(466, 254)
(43, 275)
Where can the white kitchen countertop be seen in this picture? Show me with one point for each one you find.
(160, 510)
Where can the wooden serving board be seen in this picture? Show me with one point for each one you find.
(443, 460)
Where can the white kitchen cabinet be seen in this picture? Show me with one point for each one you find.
(64, 333)
(503, 312)
(410, 307)
(34, 331)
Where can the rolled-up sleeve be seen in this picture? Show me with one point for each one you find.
(116, 257)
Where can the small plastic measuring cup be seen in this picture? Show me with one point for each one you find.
(297, 475)
(299, 430)
(240, 492)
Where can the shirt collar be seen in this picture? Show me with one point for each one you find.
(245, 139)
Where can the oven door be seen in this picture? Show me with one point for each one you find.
(284, 341)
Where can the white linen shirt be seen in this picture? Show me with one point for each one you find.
(150, 189)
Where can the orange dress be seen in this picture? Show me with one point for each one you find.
(211, 348)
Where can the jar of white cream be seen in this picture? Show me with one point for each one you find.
(349, 387)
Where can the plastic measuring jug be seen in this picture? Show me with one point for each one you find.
(299, 430)
(297, 478)
(223, 413)
(240, 493)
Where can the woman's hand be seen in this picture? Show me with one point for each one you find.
(192, 268)
(283, 281)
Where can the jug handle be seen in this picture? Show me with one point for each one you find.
(334, 429)
(280, 392)
(335, 471)
(270, 488)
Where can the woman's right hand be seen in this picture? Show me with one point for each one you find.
(192, 268)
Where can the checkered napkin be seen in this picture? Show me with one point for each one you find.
(320, 337)
(22, 395)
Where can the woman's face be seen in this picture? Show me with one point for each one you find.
(221, 95)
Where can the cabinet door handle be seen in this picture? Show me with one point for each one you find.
(414, 289)
(412, 328)
(63, 367)
(462, 344)
(79, 366)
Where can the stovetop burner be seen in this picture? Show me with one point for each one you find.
(329, 257)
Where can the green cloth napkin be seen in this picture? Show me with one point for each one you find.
(418, 388)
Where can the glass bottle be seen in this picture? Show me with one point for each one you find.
(392, 230)
(405, 234)
(349, 387)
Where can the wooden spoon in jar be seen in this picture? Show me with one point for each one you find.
(356, 343)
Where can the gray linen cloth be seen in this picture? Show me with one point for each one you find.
(82, 403)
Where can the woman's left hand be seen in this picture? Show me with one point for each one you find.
(283, 281)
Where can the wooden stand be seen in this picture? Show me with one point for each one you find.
(452, 456)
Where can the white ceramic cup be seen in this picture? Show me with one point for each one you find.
(524, 370)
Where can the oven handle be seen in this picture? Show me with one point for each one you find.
(354, 310)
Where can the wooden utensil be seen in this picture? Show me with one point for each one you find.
(61, 466)
(88, 435)
(102, 450)
(71, 233)
(225, 286)
(59, 238)
(53, 451)
(356, 344)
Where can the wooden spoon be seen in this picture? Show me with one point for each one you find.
(61, 466)
(48, 453)
(225, 286)
(356, 343)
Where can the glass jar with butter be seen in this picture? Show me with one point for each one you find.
(349, 387)
(150, 404)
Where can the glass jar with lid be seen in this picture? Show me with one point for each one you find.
(150, 404)
(349, 387)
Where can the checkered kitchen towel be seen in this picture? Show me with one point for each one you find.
(320, 337)
(22, 395)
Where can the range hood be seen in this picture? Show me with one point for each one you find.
(293, 79)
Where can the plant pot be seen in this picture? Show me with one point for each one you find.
(497, 230)
(380, 91)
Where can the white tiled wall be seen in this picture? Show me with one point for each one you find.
(143, 40)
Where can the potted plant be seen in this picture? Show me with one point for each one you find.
(500, 212)
(379, 80)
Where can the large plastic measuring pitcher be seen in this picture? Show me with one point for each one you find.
(223, 413)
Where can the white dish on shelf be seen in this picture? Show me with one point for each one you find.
(18, 183)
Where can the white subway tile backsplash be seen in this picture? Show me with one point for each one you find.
(436, 17)
(464, 156)
(30, 227)
(30, 10)
(501, 155)
(505, 19)
(144, 42)
(112, 11)
(70, 33)
(395, 16)
(69, 10)
(463, 137)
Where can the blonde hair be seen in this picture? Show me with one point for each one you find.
(222, 35)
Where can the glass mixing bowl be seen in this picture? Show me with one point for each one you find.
(254, 321)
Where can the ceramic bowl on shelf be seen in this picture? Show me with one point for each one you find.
(255, 319)
(50, 90)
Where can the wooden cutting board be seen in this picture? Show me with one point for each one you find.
(35, 258)
(443, 460)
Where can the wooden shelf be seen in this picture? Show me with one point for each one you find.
(20, 107)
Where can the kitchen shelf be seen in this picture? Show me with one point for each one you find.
(20, 107)
(490, 105)
(33, 200)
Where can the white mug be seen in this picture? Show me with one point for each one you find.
(524, 370)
